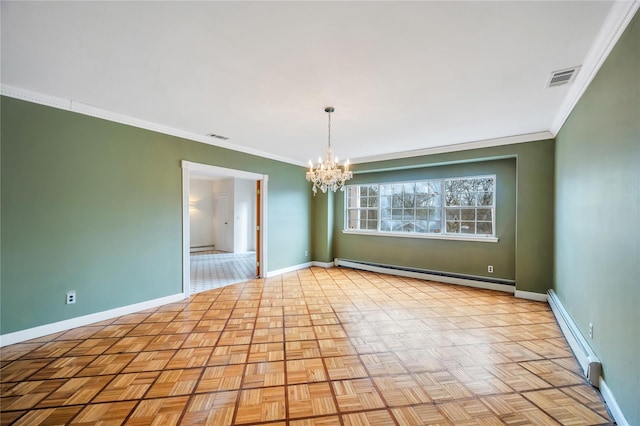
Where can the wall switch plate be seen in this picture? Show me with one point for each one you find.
(71, 297)
(591, 330)
(306, 253)
(490, 268)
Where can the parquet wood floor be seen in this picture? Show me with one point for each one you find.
(312, 347)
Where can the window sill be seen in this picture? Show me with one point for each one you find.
(427, 236)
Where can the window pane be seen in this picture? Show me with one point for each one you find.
(385, 225)
(422, 200)
(373, 215)
(422, 226)
(396, 226)
(386, 213)
(484, 214)
(385, 201)
(353, 219)
(372, 224)
(468, 228)
(453, 214)
(435, 187)
(408, 227)
(422, 214)
(363, 214)
(468, 214)
(435, 214)
(485, 198)
(452, 227)
(467, 198)
(409, 200)
(396, 201)
(434, 226)
(422, 187)
(363, 224)
(408, 214)
(452, 199)
(372, 201)
(485, 228)
(385, 190)
(396, 214)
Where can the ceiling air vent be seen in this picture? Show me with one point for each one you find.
(558, 78)
(213, 135)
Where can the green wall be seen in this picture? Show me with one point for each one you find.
(597, 247)
(524, 217)
(95, 206)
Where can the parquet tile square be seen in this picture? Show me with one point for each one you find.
(223, 355)
(266, 352)
(161, 411)
(263, 374)
(317, 421)
(370, 418)
(552, 373)
(309, 347)
(27, 395)
(563, 408)
(104, 414)
(189, 358)
(420, 415)
(312, 399)
(260, 405)
(107, 364)
(74, 391)
(48, 416)
(356, 395)
(175, 382)
(149, 361)
(215, 409)
(127, 386)
(302, 349)
(305, 371)
(224, 377)
(345, 367)
(401, 390)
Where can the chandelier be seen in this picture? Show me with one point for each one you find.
(328, 174)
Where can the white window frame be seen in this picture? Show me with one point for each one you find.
(443, 235)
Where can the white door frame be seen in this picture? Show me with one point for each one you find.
(187, 168)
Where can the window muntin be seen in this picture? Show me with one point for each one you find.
(451, 206)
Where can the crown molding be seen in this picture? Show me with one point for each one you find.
(92, 111)
(614, 25)
(487, 143)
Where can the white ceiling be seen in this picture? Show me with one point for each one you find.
(402, 76)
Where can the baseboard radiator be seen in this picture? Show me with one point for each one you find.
(197, 249)
(425, 274)
(587, 358)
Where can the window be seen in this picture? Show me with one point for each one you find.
(453, 206)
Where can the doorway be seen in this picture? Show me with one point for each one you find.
(229, 247)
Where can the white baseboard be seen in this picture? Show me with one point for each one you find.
(56, 327)
(288, 269)
(612, 404)
(323, 264)
(529, 295)
(425, 276)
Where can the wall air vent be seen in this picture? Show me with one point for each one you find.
(560, 77)
(213, 135)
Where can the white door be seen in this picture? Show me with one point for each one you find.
(223, 225)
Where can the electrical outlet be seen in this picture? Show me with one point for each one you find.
(306, 253)
(490, 269)
(71, 297)
(591, 330)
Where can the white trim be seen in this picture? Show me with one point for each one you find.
(612, 404)
(418, 235)
(56, 327)
(614, 25)
(529, 295)
(464, 146)
(323, 264)
(425, 276)
(187, 168)
(271, 274)
(92, 111)
(186, 232)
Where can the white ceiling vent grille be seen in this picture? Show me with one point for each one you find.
(213, 135)
(560, 77)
